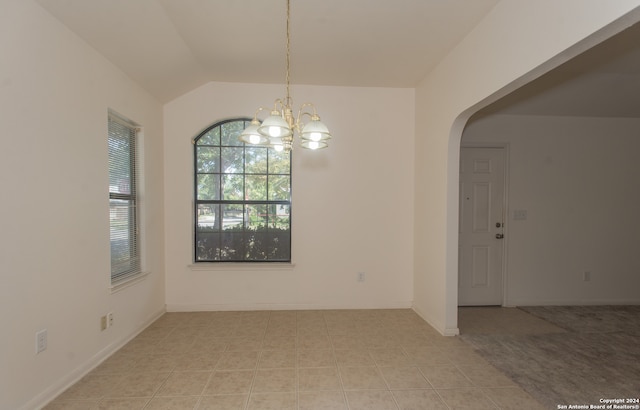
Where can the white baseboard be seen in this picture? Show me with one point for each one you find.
(573, 302)
(78, 373)
(454, 331)
(224, 307)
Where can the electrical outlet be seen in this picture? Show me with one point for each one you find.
(103, 323)
(109, 319)
(41, 341)
(361, 276)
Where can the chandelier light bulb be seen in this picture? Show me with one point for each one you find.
(250, 134)
(275, 131)
(315, 134)
(274, 126)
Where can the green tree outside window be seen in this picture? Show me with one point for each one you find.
(242, 198)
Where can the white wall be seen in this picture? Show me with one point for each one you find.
(516, 42)
(577, 178)
(54, 251)
(352, 203)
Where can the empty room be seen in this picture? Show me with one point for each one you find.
(258, 204)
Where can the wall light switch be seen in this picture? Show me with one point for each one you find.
(41, 341)
(520, 214)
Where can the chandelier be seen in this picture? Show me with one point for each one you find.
(278, 129)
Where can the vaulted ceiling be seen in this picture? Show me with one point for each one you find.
(604, 81)
(171, 47)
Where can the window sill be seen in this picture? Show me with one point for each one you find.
(128, 281)
(239, 266)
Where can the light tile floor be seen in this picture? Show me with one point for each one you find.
(333, 359)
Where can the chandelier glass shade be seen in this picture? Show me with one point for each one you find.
(277, 131)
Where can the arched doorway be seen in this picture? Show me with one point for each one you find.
(617, 56)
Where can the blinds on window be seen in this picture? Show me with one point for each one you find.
(123, 201)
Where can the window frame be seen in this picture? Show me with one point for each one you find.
(198, 261)
(133, 268)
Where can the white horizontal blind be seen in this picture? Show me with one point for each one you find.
(123, 200)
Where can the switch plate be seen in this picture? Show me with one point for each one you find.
(520, 214)
(361, 276)
(41, 341)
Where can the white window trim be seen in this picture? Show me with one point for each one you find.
(241, 266)
(128, 281)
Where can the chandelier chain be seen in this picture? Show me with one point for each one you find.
(277, 130)
(288, 101)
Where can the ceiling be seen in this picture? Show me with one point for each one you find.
(171, 47)
(604, 81)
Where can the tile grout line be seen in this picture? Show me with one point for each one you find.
(337, 367)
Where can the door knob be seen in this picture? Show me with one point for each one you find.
(499, 236)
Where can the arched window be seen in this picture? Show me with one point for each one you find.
(242, 198)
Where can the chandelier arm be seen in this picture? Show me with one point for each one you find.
(279, 105)
(255, 116)
(302, 113)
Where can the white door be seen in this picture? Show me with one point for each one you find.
(481, 226)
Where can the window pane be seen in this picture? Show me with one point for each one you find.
(119, 159)
(257, 216)
(208, 218)
(256, 160)
(210, 138)
(279, 217)
(232, 217)
(207, 246)
(279, 162)
(121, 218)
(232, 160)
(230, 133)
(232, 246)
(208, 159)
(280, 233)
(279, 245)
(256, 187)
(232, 187)
(120, 184)
(279, 187)
(123, 250)
(208, 187)
(257, 246)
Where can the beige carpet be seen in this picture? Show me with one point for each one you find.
(595, 355)
(499, 320)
